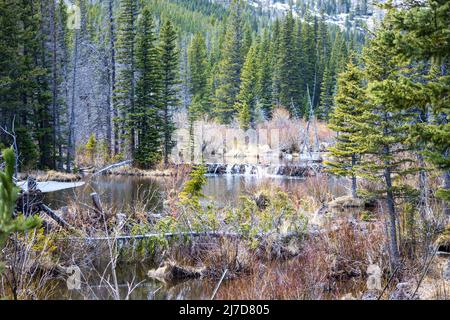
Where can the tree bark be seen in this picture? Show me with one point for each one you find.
(354, 187)
(390, 202)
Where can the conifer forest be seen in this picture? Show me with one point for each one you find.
(224, 150)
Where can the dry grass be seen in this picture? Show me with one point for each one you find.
(50, 175)
(328, 267)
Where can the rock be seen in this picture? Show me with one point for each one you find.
(171, 271)
(346, 202)
(369, 295)
(402, 292)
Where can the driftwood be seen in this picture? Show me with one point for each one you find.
(115, 165)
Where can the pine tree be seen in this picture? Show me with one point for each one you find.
(382, 137)
(425, 43)
(230, 65)
(147, 118)
(124, 95)
(347, 113)
(275, 59)
(8, 196)
(246, 99)
(326, 95)
(198, 64)
(264, 84)
(309, 65)
(287, 66)
(168, 53)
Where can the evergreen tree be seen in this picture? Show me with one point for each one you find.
(148, 92)
(309, 65)
(275, 59)
(246, 100)
(347, 113)
(124, 95)
(230, 64)
(326, 95)
(425, 43)
(287, 66)
(197, 57)
(168, 53)
(198, 64)
(8, 196)
(264, 84)
(382, 136)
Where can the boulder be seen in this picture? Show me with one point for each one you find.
(346, 202)
(171, 271)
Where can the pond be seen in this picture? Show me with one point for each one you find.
(122, 192)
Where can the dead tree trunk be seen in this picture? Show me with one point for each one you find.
(71, 135)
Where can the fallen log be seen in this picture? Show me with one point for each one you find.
(115, 165)
(54, 216)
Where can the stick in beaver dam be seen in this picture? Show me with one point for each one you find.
(54, 216)
(212, 234)
(114, 165)
(218, 284)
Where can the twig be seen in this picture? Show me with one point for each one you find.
(390, 279)
(218, 284)
(425, 271)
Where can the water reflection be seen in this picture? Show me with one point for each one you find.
(122, 192)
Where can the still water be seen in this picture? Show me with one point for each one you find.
(124, 191)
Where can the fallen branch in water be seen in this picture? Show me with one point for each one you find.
(115, 165)
(218, 285)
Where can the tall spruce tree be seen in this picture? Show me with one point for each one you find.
(147, 118)
(382, 136)
(289, 73)
(264, 81)
(230, 64)
(347, 113)
(426, 43)
(124, 94)
(168, 54)
(198, 64)
(246, 99)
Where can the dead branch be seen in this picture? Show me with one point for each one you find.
(115, 165)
